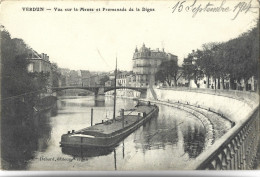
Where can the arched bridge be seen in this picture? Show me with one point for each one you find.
(99, 89)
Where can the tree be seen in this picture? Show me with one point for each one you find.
(104, 79)
(56, 75)
(168, 72)
(161, 76)
(211, 62)
(236, 60)
(191, 67)
(15, 78)
(19, 88)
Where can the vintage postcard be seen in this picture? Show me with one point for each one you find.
(130, 85)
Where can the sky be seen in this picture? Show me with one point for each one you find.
(82, 40)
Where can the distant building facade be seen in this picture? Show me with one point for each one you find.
(74, 78)
(123, 79)
(85, 76)
(92, 80)
(39, 63)
(110, 83)
(146, 63)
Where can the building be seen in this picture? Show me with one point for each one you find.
(110, 83)
(64, 76)
(85, 77)
(39, 63)
(74, 78)
(123, 79)
(92, 80)
(146, 63)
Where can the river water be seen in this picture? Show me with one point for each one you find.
(167, 142)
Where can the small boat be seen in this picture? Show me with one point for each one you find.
(110, 132)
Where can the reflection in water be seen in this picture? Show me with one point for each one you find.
(99, 103)
(158, 133)
(16, 150)
(86, 153)
(115, 158)
(166, 142)
(194, 141)
(19, 142)
(123, 150)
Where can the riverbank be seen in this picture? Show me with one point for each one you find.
(44, 104)
(238, 107)
(214, 124)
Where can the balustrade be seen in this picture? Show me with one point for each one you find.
(238, 152)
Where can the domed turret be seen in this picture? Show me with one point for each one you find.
(143, 49)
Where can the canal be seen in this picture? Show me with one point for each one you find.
(167, 142)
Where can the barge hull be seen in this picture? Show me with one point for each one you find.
(105, 142)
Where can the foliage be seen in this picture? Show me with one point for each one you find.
(15, 78)
(168, 72)
(191, 69)
(19, 88)
(235, 59)
(104, 79)
(56, 75)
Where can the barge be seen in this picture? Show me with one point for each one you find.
(111, 132)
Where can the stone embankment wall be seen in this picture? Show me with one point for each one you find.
(236, 149)
(236, 107)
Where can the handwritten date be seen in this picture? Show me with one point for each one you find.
(197, 7)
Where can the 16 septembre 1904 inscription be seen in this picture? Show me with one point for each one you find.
(214, 7)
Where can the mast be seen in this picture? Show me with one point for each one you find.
(114, 113)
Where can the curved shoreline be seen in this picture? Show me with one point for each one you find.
(239, 108)
(195, 112)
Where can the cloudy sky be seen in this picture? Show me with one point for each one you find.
(92, 40)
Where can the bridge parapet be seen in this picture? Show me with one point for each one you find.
(139, 89)
(97, 88)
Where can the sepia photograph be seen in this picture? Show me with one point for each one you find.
(120, 85)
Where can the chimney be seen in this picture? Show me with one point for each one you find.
(47, 57)
(42, 55)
